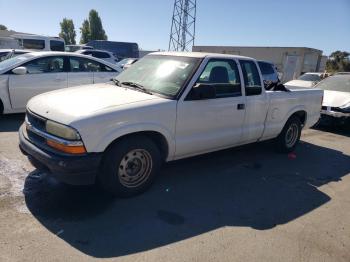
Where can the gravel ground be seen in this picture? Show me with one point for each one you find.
(242, 204)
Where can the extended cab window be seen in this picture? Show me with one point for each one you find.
(223, 76)
(251, 78)
(51, 64)
(266, 68)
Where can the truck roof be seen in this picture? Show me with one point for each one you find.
(199, 54)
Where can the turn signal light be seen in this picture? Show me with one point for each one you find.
(65, 148)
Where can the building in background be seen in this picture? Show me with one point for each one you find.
(291, 62)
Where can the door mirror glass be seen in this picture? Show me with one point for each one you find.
(203, 91)
(22, 70)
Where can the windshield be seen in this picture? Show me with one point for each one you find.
(14, 60)
(124, 62)
(336, 83)
(310, 77)
(160, 74)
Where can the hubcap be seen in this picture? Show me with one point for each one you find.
(292, 135)
(135, 168)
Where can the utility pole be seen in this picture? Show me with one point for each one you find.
(183, 26)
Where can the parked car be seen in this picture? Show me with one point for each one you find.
(306, 80)
(336, 101)
(25, 76)
(8, 53)
(39, 42)
(101, 54)
(74, 48)
(127, 62)
(119, 49)
(167, 106)
(269, 72)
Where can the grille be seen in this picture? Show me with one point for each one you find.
(36, 121)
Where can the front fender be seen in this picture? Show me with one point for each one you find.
(4, 93)
(102, 142)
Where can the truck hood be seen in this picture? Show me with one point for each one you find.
(299, 83)
(335, 98)
(69, 104)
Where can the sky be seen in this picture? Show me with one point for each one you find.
(320, 24)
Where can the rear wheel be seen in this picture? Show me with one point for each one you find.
(290, 135)
(130, 166)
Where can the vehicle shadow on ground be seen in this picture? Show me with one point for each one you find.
(249, 186)
(11, 123)
(343, 130)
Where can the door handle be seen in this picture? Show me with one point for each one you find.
(240, 106)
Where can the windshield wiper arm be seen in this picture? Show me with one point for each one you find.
(116, 81)
(137, 86)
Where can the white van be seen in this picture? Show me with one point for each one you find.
(40, 43)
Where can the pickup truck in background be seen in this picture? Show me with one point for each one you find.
(167, 106)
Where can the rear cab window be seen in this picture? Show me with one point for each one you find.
(251, 76)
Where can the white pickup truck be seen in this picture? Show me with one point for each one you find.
(167, 106)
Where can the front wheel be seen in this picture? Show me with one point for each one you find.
(130, 166)
(290, 135)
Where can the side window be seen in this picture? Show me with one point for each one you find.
(51, 64)
(33, 44)
(56, 45)
(251, 78)
(223, 76)
(101, 55)
(107, 69)
(79, 64)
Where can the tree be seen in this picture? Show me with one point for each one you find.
(338, 62)
(85, 32)
(96, 30)
(92, 29)
(68, 31)
(2, 27)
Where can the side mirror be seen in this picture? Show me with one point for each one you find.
(203, 91)
(22, 70)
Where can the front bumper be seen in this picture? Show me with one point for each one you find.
(335, 114)
(75, 170)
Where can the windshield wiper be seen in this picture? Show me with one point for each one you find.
(137, 87)
(116, 81)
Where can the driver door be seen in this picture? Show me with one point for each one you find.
(43, 75)
(211, 124)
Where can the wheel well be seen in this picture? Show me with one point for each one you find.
(156, 137)
(301, 115)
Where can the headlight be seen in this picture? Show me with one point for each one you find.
(346, 107)
(62, 131)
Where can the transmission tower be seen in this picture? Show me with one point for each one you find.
(183, 26)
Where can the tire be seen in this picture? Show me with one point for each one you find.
(130, 166)
(290, 135)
